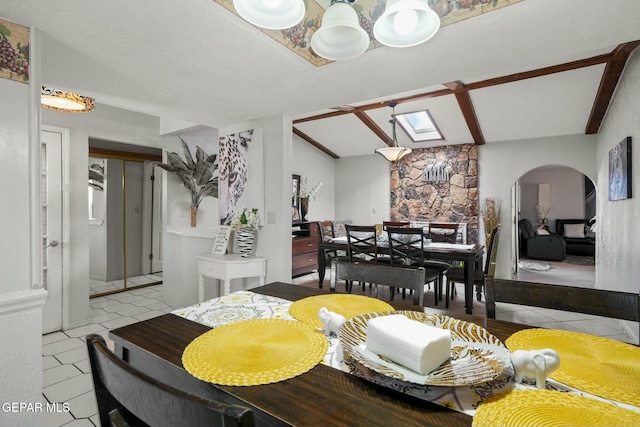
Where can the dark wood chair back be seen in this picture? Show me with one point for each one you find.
(362, 243)
(597, 302)
(406, 246)
(386, 224)
(395, 277)
(127, 397)
(443, 232)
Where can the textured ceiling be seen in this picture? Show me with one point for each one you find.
(197, 61)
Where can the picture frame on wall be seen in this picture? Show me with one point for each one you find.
(295, 198)
(620, 177)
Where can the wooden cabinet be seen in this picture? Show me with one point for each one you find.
(304, 248)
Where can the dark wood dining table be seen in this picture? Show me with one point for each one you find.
(323, 396)
(471, 259)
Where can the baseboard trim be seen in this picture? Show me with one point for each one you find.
(22, 300)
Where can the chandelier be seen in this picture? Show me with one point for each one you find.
(394, 152)
(404, 23)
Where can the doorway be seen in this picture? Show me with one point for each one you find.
(123, 218)
(55, 217)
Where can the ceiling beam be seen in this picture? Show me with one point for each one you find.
(315, 143)
(368, 121)
(608, 83)
(467, 109)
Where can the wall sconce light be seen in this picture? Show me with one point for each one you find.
(66, 102)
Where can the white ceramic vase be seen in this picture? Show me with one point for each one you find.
(246, 238)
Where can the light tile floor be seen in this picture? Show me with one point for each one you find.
(99, 287)
(66, 372)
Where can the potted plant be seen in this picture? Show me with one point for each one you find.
(245, 226)
(198, 175)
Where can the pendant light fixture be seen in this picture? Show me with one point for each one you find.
(406, 23)
(66, 102)
(394, 152)
(271, 14)
(340, 36)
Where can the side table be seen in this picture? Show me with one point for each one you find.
(226, 267)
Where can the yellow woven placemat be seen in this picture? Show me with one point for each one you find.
(256, 351)
(348, 305)
(534, 408)
(600, 366)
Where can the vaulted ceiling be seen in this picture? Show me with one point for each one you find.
(197, 61)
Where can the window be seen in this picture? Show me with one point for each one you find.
(419, 126)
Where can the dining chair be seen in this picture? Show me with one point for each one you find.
(406, 247)
(128, 397)
(362, 246)
(456, 274)
(597, 302)
(446, 232)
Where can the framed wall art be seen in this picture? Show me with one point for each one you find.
(620, 178)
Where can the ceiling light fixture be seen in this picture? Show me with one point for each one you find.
(271, 14)
(340, 36)
(67, 102)
(404, 23)
(393, 152)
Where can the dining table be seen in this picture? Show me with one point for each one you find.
(469, 255)
(321, 396)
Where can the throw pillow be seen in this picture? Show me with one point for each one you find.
(339, 229)
(326, 231)
(541, 231)
(575, 231)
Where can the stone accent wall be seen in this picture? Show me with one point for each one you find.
(455, 200)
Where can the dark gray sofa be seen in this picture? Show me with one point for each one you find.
(550, 247)
(585, 246)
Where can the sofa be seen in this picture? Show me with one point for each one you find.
(540, 243)
(577, 235)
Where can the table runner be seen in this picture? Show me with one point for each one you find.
(244, 305)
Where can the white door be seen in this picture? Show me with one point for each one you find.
(156, 228)
(51, 195)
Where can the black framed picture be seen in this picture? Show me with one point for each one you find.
(295, 198)
(620, 179)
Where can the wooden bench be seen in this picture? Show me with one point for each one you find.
(597, 302)
(397, 277)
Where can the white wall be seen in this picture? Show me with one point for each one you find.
(566, 194)
(501, 164)
(313, 164)
(617, 242)
(363, 189)
(20, 313)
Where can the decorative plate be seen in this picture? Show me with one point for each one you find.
(348, 305)
(550, 408)
(476, 355)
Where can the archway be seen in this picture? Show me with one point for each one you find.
(547, 197)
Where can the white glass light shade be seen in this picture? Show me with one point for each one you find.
(406, 23)
(271, 14)
(340, 37)
(393, 153)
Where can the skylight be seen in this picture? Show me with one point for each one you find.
(419, 126)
